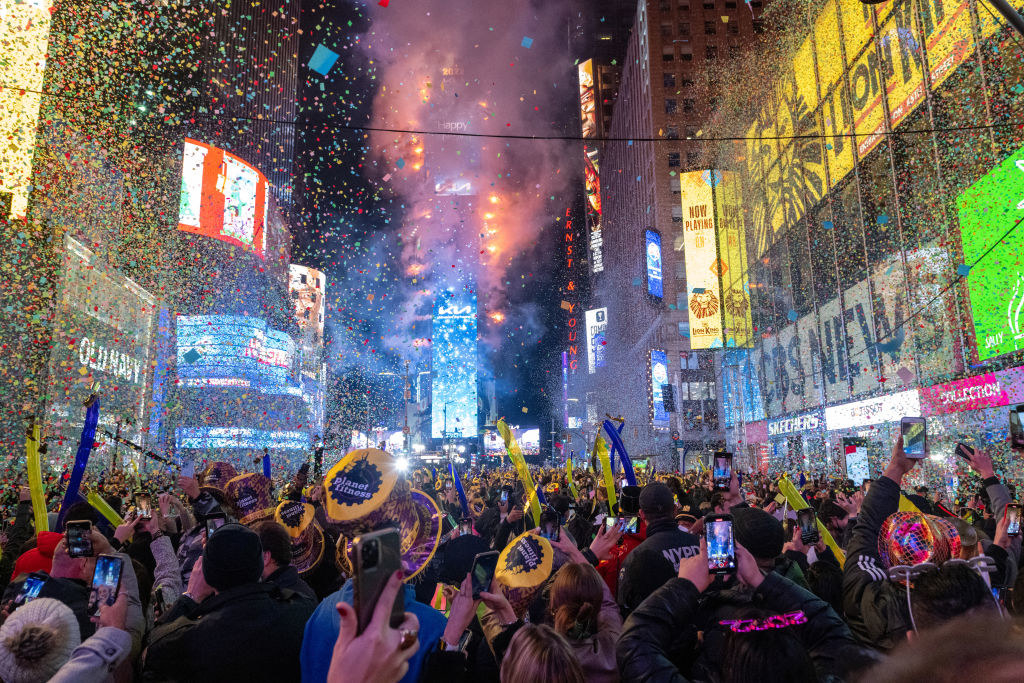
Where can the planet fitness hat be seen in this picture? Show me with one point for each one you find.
(251, 493)
(299, 521)
(217, 475)
(910, 537)
(523, 567)
(357, 489)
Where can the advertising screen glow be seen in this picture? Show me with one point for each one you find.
(235, 350)
(659, 377)
(453, 401)
(222, 197)
(700, 251)
(597, 322)
(654, 283)
(987, 209)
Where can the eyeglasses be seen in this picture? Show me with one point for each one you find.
(983, 564)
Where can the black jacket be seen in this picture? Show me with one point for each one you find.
(288, 578)
(72, 592)
(659, 640)
(249, 633)
(653, 562)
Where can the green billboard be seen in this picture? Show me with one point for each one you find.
(988, 209)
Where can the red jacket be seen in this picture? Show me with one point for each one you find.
(609, 569)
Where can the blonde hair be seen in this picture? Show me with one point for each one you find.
(575, 598)
(537, 654)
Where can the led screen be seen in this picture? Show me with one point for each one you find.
(700, 254)
(453, 400)
(659, 377)
(215, 438)
(989, 208)
(654, 285)
(222, 197)
(235, 350)
(597, 322)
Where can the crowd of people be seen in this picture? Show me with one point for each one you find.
(372, 573)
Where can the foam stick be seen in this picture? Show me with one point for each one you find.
(266, 463)
(568, 475)
(601, 449)
(35, 480)
(515, 454)
(797, 502)
(92, 417)
(614, 435)
(103, 507)
(458, 489)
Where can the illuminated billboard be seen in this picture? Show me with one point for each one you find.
(223, 197)
(230, 438)
(308, 288)
(453, 410)
(732, 248)
(653, 251)
(592, 180)
(596, 322)
(103, 329)
(235, 351)
(987, 209)
(588, 106)
(700, 252)
(659, 378)
(24, 37)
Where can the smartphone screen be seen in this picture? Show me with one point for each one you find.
(1017, 427)
(630, 526)
(377, 556)
(30, 589)
(214, 522)
(78, 537)
(484, 566)
(914, 437)
(105, 582)
(549, 526)
(722, 471)
(1013, 513)
(188, 469)
(721, 547)
(808, 525)
(504, 497)
(610, 521)
(144, 506)
(466, 527)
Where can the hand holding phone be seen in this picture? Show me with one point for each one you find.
(376, 556)
(1017, 427)
(915, 437)
(1013, 516)
(721, 545)
(722, 471)
(213, 522)
(106, 581)
(78, 539)
(30, 589)
(144, 506)
(484, 566)
(808, 523)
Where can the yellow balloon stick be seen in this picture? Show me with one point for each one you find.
(35, 480)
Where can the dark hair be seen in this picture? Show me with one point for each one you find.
(276, 541)
(575, 599)
(830, 510)
(773, 655)
(81, 512)
(955, 589)
(826, 581)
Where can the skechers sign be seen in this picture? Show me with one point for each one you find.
(793, 425)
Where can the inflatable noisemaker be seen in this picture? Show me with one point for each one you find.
(35, 479)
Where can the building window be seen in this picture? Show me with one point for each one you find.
(689, 132)
(684, 28)
(668, 80)
(670, 106)
(730, 5)
(758, 26)
(734, 27)
(681, 302)
(671, 132)
(709, 5)
(687, 55)
(711, 52)
(667, 54)
(673, 160)
(692, 158)
(674, 184)
(755, 3)
(666, 30)
(664, 6)
(709, 28)
(734, 52)
(688, 105)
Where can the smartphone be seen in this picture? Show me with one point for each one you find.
(159, 603)
(504, 497)
(105, 582)
(549, 525)
(808, 522)
(1013, 512)
(610, 521)
(214, 522)
(482, 573)
(466, 527)
(1017, 427)
(376, 556)
(78, 538)
(188, 469)
(963, 451)
(630, 526)
(722, 474)
(447, 484)
(915, 438)
(144, 506)
(34, 583)
(721, 545)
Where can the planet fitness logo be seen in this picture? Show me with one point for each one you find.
(357, 484)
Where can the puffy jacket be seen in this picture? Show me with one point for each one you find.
(611, 568)
(659, 640)
(654, 562)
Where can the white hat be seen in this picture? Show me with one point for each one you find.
(37, 640)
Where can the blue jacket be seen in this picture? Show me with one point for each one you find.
(322, 632)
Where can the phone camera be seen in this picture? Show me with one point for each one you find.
(371, 555)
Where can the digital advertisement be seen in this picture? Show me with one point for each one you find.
(700, 251)
(597, 322)
(222, 197)
(235, 351)
(655, 286)
(454, 400)
(659, 377)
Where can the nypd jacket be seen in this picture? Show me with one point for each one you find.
(654, 562)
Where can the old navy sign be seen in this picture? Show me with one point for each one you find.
(796, 424)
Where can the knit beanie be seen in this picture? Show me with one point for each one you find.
(37, 640)
(233, 556)
(758, 532)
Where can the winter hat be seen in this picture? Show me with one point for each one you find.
(629, 501)
(912, 537)
(251, 494)
(233, 556)
(37, 640)
(656, 498)
(758, 532)
(40, 558)
(523, 567)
